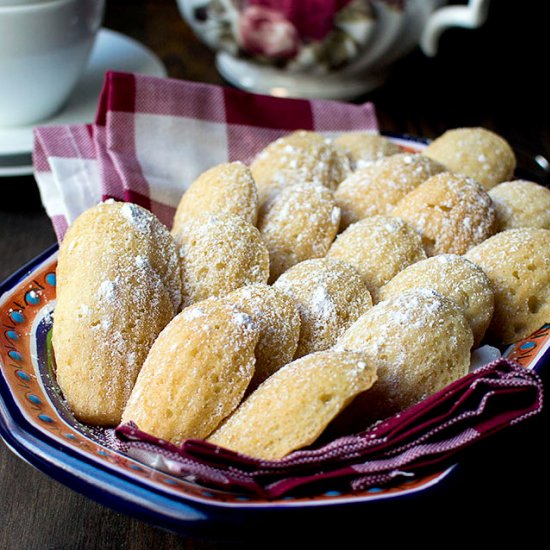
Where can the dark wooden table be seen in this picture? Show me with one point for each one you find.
(495, 77)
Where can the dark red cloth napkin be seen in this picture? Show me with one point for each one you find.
(423, 438)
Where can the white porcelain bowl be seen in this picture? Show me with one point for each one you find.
(44, 47)
(21, 2)
(306, 48)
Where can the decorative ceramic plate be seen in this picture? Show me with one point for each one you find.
(36, 424)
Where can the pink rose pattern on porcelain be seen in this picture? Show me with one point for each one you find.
(312, 19)
(294, 34)
(263, 31)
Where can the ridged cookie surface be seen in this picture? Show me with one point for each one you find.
(220, 253)
(196, 373)
(452, 213)
(300, 223)
(118, 285)
(378, 247)
(278, 321)
(474, 152)
(293, 407)
(454, 277)
(300, 157)
(330, 295)
(225, 188)
(517, 262)
(421, 342)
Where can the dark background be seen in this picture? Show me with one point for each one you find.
(496, 77)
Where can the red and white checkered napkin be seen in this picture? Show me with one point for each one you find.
(425, 437)
(153, 136)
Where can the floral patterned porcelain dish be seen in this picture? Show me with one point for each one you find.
(38, 426)
(329, 49)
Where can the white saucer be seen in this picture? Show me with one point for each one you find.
(112, 51)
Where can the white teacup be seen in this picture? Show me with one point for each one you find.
(44, 48)
(305, 48)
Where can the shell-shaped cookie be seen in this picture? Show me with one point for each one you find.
(330, 295)
(363, 148)
(220, 253)
(420, 342)
(517, 262)
(300, 223)
(454, 277)
(378, 247)
(196, 372)
(521, 203)
(225, 188)
(300, 157)
(293, 407)
(452, 213)
(118, 285)
(474, 152)
(278, 321)
(379, 186)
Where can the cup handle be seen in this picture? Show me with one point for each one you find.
(470, 17)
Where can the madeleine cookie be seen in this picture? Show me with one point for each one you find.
(300, 223)
(220, 253)
(378, 187)
(300, 157)
(362, 148)
(118, 285)
(521, 203)
(196, 373)
(474, 152)
(378, 247)
(225, 188)
(517, 262)
(278, 321)
(330, 295)
(454, 277)
(291, 409)
(421, 342)
(452, 213)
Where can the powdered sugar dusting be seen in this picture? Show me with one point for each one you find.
(84, 310)
(378, 187)
(193, 313)
(220, 253)
(330, 296)
(335, 216)
(242, 318)
(452, 213)
(300, 223)
(420, 342)
(456, 278)
(299, 158)
(107, 290)
(125, 271)
(322, 305)
(138, 217)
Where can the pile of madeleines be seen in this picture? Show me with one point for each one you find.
(330, 283)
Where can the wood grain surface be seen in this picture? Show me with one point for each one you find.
(496, 77)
